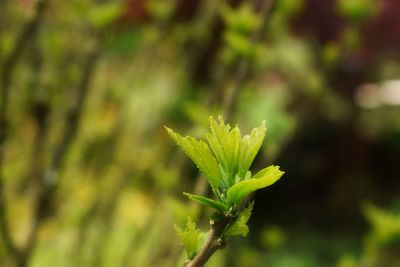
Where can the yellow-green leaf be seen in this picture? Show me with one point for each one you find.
(225, 143)
(199, 152)
(249, 147)
(239, 227)
(190, 238)
(208, 202)
(262, 179)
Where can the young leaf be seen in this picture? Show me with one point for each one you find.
(249, 147)
(225, 143)
(239, 227)
(208, 202)
(201, 155)
(262, 179)
(190, 238)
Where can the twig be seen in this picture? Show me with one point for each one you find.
(47, 182)
(6, 75)
(10, 62)
(243, 70)
(214, 242)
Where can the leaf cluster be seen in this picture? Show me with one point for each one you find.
(224, 159)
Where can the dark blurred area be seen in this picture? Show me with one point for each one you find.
(88, 176)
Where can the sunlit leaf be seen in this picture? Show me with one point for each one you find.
(208, 202)
(201, 155)
(239, 227)
(225, 143)
(262, 179)
(249, 147)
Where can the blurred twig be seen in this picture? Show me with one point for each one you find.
(46, 183)
(6, 75)
(10, 62)
(44, 180)
(243, 69)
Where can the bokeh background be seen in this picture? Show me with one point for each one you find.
(90, 178)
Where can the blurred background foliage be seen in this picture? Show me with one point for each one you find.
(90, 178)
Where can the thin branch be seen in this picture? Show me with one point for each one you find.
(8, 68)
(47, 182)
(243, 70)
(214, 242)
(74, 116)
(10, 62)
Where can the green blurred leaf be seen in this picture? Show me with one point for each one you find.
(160, 9)
(272, 237)
(242, 20)
(357, 10)
(385, 225)
(104, 14)
(239, 44)
(288, 7)
(208, 202)
(262, 179)
(201, 155)
(331, 53)
(239, 227)
(347, 261)
(190, 238)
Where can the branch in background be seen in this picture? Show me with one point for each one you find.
(6, 75)
(47, 182)
(243, 69)
(10, 62)
(73, 118)
(44, 180)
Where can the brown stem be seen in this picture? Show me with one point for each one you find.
(214, 242)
